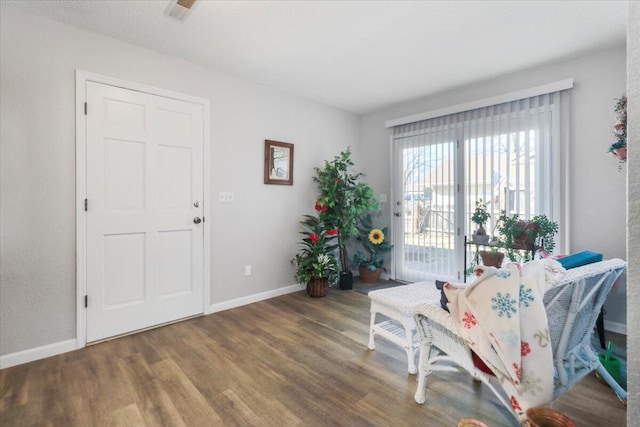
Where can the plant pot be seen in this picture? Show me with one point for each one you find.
(346, 280)
(620, 153)
(492, 259)
(470, 422)
(318, 287)
(370, 276)
(480, 239)
(522, 240)
(547, 417)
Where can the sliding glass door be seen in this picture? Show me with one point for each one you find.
(503, 155)
(425, 206)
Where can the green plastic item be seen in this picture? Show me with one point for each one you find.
(611, 363)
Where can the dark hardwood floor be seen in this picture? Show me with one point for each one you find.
(287, 361)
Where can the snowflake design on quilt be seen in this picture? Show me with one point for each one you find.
(503, 273)
(504, 305)
(469, 320)
(510, 338)
(530, 384)
(526, 296)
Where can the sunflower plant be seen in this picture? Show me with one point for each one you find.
(375, 242)
(316, 256)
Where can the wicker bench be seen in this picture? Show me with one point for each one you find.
(398, 306)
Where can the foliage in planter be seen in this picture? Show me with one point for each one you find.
(516, 233)
(375, 242)
(343, 199)
(480, 217)
(619, 147)
(315, 258)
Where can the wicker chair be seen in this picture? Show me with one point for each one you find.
(572, 307)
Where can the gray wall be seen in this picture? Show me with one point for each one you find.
(597, 196)
(37, 219)
(633, 214)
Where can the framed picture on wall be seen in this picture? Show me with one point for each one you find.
(278, 163)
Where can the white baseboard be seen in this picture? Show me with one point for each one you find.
(226, 305)
(26, 356)
(618, 328)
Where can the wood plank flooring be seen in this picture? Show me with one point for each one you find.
(287, 361)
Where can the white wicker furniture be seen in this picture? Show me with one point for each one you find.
(398, 306)
(572, 307)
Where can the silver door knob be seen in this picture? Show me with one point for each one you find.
(197, 220)
(397, 214)
(196, 203)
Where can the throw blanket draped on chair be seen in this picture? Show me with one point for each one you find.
(502, 318)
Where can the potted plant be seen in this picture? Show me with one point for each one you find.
(480, 217)
(619, 147)
(315, 264)
(518, 234)
(492, 257)
(376, 243)
(342, 200)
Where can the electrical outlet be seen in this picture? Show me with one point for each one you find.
(247, 270)
(225, 197)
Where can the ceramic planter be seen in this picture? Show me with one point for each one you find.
(370, 276)
(492, 259)
(620, 153)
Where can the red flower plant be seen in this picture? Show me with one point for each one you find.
(320, 206)
(332, 232)
(313, 237)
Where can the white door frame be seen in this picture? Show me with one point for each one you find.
(82, 77)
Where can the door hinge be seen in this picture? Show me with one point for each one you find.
(458, 231)
(458, 188)
(85, 108)
(86, 205)
(202, 219)
(86, 301)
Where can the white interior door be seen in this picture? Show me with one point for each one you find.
(144, 188)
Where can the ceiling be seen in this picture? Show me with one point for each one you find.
(359, 56)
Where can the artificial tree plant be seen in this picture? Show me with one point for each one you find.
(342, 200)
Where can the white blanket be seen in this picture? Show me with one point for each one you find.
(502, 317)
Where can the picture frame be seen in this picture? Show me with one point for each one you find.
(278, 162)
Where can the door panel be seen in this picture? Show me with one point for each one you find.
(124, 170)
(175, 257)
(144, 173)
(426, 207)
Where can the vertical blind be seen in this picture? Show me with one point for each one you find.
(506, 155)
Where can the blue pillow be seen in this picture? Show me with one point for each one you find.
(579, 259)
